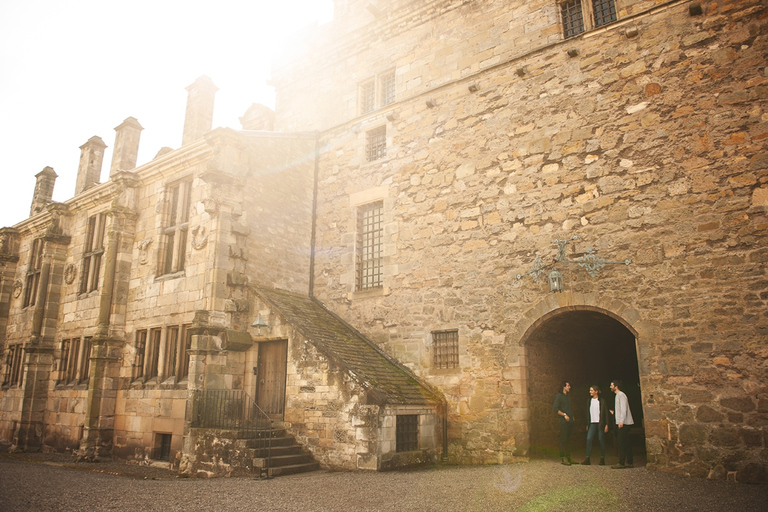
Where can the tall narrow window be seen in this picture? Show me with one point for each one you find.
(141, 346)
(445, 348)
(177, 225)
(387, 88)
(93, 252)
(34, 268)
(367, 97)
(171, 352)
(370, 235)
(573, 19)
(186, 336)
(74, 352)
(13, 361)
(64, 361)
(153, 353)
(407, 432)
(85, 363)
(376, 143)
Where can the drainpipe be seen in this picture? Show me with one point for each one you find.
(314, 218)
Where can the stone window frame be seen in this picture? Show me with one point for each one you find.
(174, 237)
(34, 270)
(74, 360)
(579, 16)
(445, 349)
(93, 251)
(376, 143)
(13, 362)
(158, 355)
(377, 92)
(389, 247)
(406, 432)
(369, 250)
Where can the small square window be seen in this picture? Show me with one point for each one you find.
(376, 143)
(445, 348)
(604, 11)
(573, 19)
(407, 432)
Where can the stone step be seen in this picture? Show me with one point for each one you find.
(294, 468)
(257, 443)
(276, 451)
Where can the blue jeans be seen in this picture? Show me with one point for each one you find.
(595, 427)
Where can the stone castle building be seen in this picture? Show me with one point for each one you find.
(455, 205)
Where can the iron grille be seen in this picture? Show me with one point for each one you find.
(445, 347)
(387, 83)
(369, 246)
(605, 12)
(407, 432)
(573, 19)
(376, 143)
(367, 97)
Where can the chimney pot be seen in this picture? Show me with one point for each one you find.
(199, 116)
(46, 179)
(91, 158)
(126, 146)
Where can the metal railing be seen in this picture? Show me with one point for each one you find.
(235, 410)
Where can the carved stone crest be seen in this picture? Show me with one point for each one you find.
(17, 289)
(144, 250)
(199, 237)
(70, 271)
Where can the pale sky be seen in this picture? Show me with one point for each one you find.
(77, 68)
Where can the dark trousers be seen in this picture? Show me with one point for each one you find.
(594, 428)
(566, 427)
(625, 446)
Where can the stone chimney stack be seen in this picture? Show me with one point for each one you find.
(126, 146)
(91, 158)
(199, 116)
(43, 190)
(258, 117)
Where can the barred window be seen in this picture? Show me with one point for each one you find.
(407, 432)
(573, 19)
(604, 11)
(174, 251)
(92, 253)
(445, 348)
(34, 269)
(376, 143)
(387, 88)
(367, 97)
(370, 234)
(141, 346)
(581, 15)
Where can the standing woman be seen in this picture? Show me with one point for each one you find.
(598, 423)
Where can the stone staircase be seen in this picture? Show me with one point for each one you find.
(287, 456)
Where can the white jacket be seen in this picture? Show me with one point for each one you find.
(623, 414)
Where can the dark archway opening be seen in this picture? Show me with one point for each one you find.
(584, 347)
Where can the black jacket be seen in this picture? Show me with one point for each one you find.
(604, 414)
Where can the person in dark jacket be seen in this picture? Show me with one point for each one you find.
(597, 412)
(562, 407)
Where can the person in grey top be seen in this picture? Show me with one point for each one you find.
(624, 422)
(562, 407)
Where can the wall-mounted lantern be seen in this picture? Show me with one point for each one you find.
(555, 281)
(259, 324)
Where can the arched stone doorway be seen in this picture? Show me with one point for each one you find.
(584, 345)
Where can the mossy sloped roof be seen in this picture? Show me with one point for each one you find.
(385, 381)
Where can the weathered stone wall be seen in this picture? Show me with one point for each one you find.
(649, 143)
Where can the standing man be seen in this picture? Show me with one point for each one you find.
(624, 422)
(562, 407)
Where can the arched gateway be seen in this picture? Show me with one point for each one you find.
(585, 344)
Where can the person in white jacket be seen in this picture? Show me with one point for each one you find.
(624, 422)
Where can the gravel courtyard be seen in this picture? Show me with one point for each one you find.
(52, 482)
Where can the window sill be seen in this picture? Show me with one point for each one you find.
(168, 277)
(366, 294)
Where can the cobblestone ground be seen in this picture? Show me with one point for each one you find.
(48, 482)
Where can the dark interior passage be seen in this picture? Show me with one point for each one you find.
(584, 347)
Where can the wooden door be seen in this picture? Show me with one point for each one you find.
(270, 377)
